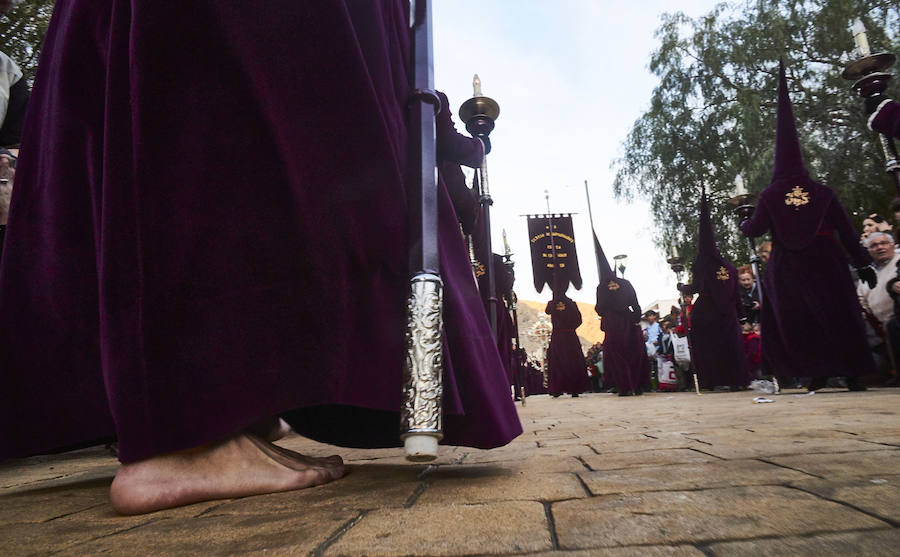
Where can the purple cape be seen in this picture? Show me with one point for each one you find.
(625, 362)
(810, 284)
(198, 242)
(887, 119)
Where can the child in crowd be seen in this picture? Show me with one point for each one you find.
(752, 345)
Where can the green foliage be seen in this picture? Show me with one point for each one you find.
(22, 33)
(712, 115)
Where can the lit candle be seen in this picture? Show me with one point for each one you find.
(739, 188)
(476, 85)
(674, 251)
(505, 243)
(859, 36)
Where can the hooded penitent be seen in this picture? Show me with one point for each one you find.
(807, 276)
(613, 293)
(625, 364)
(793, 199)
(716, 341)
(565, 357)
(718, 275)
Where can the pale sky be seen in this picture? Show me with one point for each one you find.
(571, 77)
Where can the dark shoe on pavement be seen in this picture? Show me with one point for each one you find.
(854, 384)
(816, 384)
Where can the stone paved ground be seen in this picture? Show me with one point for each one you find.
(668, 475)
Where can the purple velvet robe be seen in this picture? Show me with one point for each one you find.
(807, 283)
(625, 362)
(503, 283)
(534, 380)
(717, 343)
(887, 120)
(506, 327)
(568, 372)
(198, 242)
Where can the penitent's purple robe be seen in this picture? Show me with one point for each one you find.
(506, 327)
(717, 344)
(887, 119)
(567, 370)
(210, 227)
(807, 280)
(625, 362)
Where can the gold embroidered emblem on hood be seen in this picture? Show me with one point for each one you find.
(722, 274)
(797, 197)
(613, 285)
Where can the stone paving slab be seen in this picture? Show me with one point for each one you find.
(678, 477)
(458, 529)
(15, 474)
(844, 465)
(673, 517)
(479, 484)
(877, 496)
(633, 551)
(891, 440)
(51, 537)
(617, 461)
(546, 463)
(287, 534)
(769, 446)
(641, 442)
(519, 453)
(49, 503)
(881, 543)
(23, 535)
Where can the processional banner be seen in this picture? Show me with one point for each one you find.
(553, 252)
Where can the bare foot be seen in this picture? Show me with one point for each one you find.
(241, 465)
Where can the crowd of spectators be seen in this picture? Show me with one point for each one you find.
(879, 303)
(663, 335)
